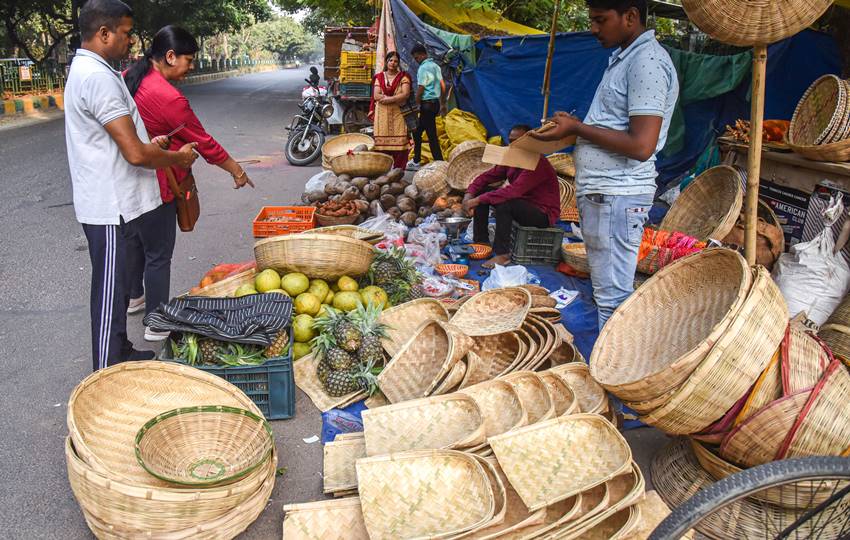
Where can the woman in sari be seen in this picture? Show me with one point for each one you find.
(390, 90)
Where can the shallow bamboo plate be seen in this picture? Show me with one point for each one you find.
(404, 319)
(532, 394)
(493, 312)
(591, 397)
(499, 404)
(335, 519)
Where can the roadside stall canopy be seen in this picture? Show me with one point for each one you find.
(468, 21)
(504, 87)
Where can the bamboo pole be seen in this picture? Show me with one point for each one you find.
(754, 156)
(547, 74)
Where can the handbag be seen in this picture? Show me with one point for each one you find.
(186, 199)
(410, 112)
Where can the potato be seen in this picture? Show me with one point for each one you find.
(371, 191)
(385, 189)
(362, 206)
(375, 207)
(344, 178)
(340, 187)
(360, 182)
(395, 189)
(330, 189)
(314, 196)
(426, 197)
(411, 192)
(405, 204)
(382, 180)
(409, 218)
(395, 175)
(350, 193)
(387, 201)
(394, 212)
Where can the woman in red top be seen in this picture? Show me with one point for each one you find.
(164, 109)
(390, 90)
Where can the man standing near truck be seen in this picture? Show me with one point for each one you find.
(431, 101)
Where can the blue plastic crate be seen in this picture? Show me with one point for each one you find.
(271, 386)
(355, 90)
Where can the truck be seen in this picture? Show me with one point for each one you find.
(349, 75)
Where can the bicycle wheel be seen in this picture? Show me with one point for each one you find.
(735, 507)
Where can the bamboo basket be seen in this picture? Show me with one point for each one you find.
(569, 208)
(352, 231)
(562, 397)
(452, 379)
(342, 144)
(499, 405)
(204, 445)
(226, 287)
(339, 519)
(368, 164)
(452, 421)
(834, 152)
(674, 319)
(563, 163)
(500, 351)
(423, 494)
(733, 364)
(820, 114)
(404, 319)
(465, 165)
(554, 460)
(532, 394)
(304, 371)
(836, 331)
(423, 361)
(493, 312)
(325, 256)
(753, 22)
(477, 370)
(132, 393)
(432, 177)
(575, 255)
(709, 206)
(338, 460)
(591, 397)
(616, 526)
(534, 341)
(490, 466)
(332, 221)
(653, 510)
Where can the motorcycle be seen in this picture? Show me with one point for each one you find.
(307, 130)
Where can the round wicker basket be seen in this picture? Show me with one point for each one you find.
(753, 22)
(368, 164)
(432, 177)
(820, 116)
(330, 221)
(325, 256)
(342, 144)
(564, 164)
(465, 165)
(709, 206)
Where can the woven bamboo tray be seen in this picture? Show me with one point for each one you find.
(452, 421)
(339, 519)
(339, 456)
(733, 364)
(767, 388)
(423, 494)
(575, 255)
(591, 397)
(497, 485)
(499, 405)
(368, 164)
(820, 113)
(423, 361)
(342, 144)
(304, 371)
(653, 510)
(616, 526)
(334, 221)
(753, 22)
(452, 379)
(532, 394)
(132, 393)
(564, 164)
(432, 177)
(477, 370)
(552, 340)
(567, 193)
(709, 206)
(671, 322)
(351, 231)
(404, 319)
(324, 256)
(554, 460)
(805, 361)
(563, 398)
(493, 312)
(465, 165)
(131, 507)
(834, 152)
(226, 287)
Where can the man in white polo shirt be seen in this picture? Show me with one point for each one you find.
(110, 159)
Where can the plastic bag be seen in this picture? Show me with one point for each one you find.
(385, 223)
(506, 276)
(811, 277)
(318, 181)
(424, 247)
(464, 126)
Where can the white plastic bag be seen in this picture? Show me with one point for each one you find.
(811, 277)
(385, 223)
(318, 181)
(506, 276)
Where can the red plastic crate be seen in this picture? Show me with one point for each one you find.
(298, 219)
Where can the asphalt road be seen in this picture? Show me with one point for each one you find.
(44, 287)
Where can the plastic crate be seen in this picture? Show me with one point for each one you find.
(271, 386)
(355, 74)
(352, 58)
(355, 90)
(298, 219)
(531, 245)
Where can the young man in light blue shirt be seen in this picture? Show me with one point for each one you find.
(431, 101)
(618, 140)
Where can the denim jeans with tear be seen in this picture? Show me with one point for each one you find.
(612, 227)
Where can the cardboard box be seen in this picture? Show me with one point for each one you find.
(525, 152)
(790, 206)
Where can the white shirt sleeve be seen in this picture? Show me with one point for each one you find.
(104, 98)
(649, 86)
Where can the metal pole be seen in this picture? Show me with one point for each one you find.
(754, 156)
(547, 75)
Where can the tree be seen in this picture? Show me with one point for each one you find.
(36, 27)
(332, 12)
(281, 36)
(201, 17)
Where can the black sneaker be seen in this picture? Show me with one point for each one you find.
(136, 355)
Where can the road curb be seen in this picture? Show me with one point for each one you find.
(209, 77)
(32, 104)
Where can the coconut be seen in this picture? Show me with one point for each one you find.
(408, 218)
(426, 197)
(371, 191)
(406, 204)
(382, 180)
(395, 175)
(411, 192)
(425, 211)
(362, 206)
(394, 212)
(375, 208)
(387, 201)
(360, 182)
(329, 188)
(314, 196)
(396, 188)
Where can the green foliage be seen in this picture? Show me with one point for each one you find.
(35, 27)
(332, 12)
(201, 17)
(282, 36)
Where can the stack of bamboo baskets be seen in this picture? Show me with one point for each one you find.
(820, 127)
(119, 498)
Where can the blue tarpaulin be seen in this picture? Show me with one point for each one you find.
(503, 89)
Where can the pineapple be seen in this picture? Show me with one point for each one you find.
(385, 273)
(339, 359)
(341, 383)
(323, 369)
(209, 349)
(395, 274)
(347, 335)
(279, 345)
(370, 350)
(417, 292)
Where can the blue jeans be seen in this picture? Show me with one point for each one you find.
(612, 227)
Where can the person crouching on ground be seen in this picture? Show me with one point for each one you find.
(531, 198)
(625, 128)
